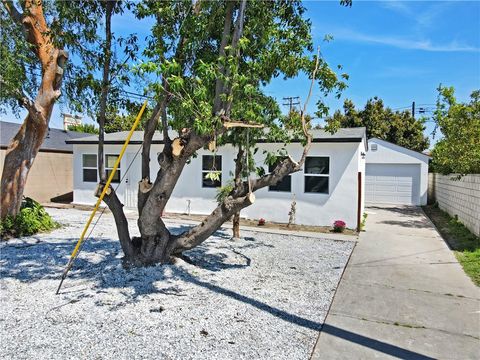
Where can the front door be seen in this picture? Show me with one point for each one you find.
(131, 179)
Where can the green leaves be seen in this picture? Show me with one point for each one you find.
(458, 151)
(381, 122)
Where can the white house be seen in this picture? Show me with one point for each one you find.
(329, 187)
(395, 175)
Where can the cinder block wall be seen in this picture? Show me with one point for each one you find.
(457, 197)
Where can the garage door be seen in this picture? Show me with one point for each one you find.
(392, 184)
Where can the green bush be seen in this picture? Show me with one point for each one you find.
(31, 219)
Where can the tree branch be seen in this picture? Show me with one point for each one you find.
(27, 103)
(307, 134)
(13, 12)
(116, 207)
(217, 103)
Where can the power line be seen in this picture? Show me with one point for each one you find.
(290, 101)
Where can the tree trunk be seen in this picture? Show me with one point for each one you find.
(102, 111)
(24, 147)
(236, 225)
(239, 164)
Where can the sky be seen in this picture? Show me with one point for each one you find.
(399, 51)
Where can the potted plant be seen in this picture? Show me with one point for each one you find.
(339, 226)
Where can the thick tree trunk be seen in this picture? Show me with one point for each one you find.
(24, 147)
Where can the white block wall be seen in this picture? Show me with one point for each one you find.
(458, 197)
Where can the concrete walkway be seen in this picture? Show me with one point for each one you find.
(403, 295)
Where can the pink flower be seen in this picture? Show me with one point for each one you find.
(339, 225)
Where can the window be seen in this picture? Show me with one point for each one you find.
(284, 185)
(89, 165)
(109, 164)
(317, 170)
(211, 171)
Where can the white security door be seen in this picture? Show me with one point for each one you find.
(131, 179)
(392, 184)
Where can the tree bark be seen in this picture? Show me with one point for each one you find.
(109, 5)
(236, 225)
(24, 147)
(237, 182)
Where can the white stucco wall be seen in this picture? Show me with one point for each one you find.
(388, 153)
(312, 209)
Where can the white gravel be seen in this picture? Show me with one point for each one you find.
(261, 297)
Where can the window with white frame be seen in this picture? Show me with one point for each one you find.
(110, 160)
(89, 167)
(211, 171)
(317, 174)
(284, 185)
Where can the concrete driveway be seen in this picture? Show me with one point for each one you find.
(403, 295)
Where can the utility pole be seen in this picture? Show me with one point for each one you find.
(290, 102)
(413, 109)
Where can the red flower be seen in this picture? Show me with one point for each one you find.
(339, 223)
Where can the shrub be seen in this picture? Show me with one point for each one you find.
(31, 219)
(364, 221)
(339, 226)
(261, 221)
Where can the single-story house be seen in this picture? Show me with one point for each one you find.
(342, 172)
(395, 175)
(329, 187)
(51, 175)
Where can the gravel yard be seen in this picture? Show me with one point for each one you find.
(262, 297)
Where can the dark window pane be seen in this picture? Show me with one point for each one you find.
(207, 162)
(317, 165)
(90, 175)
(116, 177)
(284, 185)
(110, 161)
(316, 184)
(90, 160)
(209, 183)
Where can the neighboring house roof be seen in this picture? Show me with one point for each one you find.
(54, 141)
(401, 148)
(342, 135)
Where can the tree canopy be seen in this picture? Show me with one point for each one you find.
(204, 65)
(458, 151)
(398, 127)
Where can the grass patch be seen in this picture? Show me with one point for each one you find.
(465, 244)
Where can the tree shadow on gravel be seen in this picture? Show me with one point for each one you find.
(35, 259)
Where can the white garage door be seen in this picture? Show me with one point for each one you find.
(392, 184)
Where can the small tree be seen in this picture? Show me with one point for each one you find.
(459, 150)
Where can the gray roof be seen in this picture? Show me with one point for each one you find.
(341, 135)
(54, 141)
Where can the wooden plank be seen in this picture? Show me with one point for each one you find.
(232, 124)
